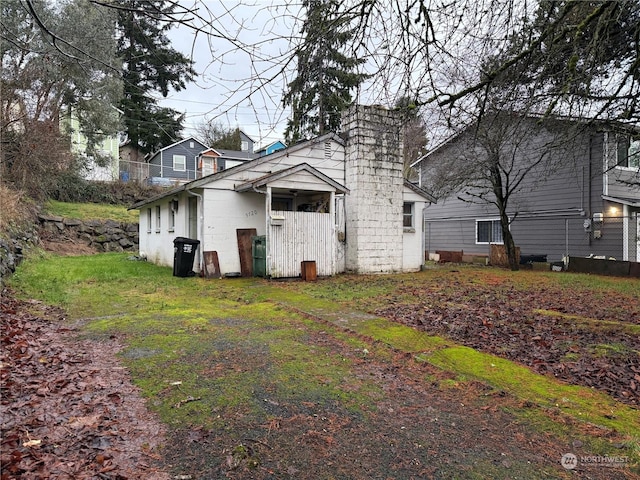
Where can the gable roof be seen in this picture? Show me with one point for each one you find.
(423, 193)
(200, 182)
(259, 160)
(303, 167)
(177, 143)
(206, 151)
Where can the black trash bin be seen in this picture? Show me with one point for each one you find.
(184, 252)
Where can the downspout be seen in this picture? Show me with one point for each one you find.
(200, 227)
(424, 241)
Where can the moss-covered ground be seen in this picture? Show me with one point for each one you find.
(265, 379)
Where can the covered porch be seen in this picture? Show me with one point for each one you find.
(301, 226)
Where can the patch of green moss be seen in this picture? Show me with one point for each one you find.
(592, 322)
(581, 403)
(399, 336)
(610, 349)
(304, 373)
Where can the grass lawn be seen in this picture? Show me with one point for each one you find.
(260, 379)
(91, 211)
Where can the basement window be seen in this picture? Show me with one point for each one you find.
(488, 231)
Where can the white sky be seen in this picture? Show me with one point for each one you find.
(229, 73)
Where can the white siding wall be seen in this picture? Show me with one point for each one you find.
(329, 161)
(158, 245)
(225, 212)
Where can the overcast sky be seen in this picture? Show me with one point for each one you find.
(231, 70)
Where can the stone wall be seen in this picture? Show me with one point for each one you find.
(104, 236)
(13, 246)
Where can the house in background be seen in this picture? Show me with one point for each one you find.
(107, 168)
(588, 205)
(341, 203)
(175, 163)
(271, 148)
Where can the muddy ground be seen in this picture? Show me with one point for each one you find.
(69, 411)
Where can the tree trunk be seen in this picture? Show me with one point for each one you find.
(509, 244)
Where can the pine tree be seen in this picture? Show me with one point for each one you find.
(326, 75)
(150, 65)
(414, 135)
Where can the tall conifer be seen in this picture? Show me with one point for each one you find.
(151, 66)
(326, 74)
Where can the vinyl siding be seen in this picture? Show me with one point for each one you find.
(551, 210)
(161, 165)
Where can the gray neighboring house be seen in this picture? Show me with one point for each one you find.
(190, 159)
(175, 163)
(588, 206)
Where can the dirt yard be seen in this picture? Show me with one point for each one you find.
(69, 409)
(575, 336)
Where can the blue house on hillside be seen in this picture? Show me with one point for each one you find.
(271, 148)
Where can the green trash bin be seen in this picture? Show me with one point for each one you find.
(259, 253)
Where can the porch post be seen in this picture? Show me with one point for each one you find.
(625, 232)
(267, 232)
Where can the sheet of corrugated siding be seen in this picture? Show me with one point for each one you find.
(303, 236)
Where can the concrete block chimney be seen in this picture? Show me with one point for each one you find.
(374, 175)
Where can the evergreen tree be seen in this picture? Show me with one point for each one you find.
(325, 74)
(150, 65)
(414, 136)
(57, 58)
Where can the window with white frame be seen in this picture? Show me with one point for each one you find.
(244, 146)
(628, 151)
(407, 215)
(149, 217)
(179, 163)
(489, 231)
(173, 208)
(158, 219)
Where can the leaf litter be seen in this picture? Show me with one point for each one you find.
(508, 322)
(68, 409)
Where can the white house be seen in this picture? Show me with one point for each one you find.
(340, 202)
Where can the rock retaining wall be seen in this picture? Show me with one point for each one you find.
(104, 236)
(12, 249)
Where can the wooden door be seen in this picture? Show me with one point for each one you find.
(244, 250)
